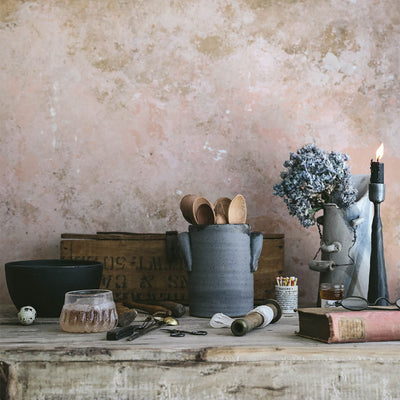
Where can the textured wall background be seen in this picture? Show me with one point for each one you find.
(111, 111)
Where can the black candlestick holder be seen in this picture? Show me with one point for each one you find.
(377, 273)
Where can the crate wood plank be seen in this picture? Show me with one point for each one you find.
(137, 266)
(134, 269)
(270, 265)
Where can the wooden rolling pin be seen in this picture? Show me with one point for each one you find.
(149, 308)
(177, 309)
(167, 307)
(126, 315)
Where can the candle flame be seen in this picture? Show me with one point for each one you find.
(379, 152)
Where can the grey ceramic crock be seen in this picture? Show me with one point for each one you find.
(221, 260)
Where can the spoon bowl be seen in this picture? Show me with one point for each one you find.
(186, 207)
(237, 212)
(221, 208)
(203, 211)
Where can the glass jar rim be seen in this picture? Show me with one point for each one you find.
(329, 285)
(89, 292)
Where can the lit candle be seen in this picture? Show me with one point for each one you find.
(377, 168)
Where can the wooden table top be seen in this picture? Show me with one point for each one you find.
(44, 341)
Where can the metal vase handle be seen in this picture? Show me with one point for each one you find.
(184, 243)
(256, 244)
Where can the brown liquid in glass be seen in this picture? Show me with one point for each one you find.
(88, 318)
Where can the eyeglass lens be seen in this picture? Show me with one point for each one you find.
(357, 303)
(354, 303)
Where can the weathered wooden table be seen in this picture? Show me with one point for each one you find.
(42, 362)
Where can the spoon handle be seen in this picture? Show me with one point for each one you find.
(142, 331)
(120, 333)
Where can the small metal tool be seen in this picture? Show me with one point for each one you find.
(122, 332)
(181, 332)
(150, 324)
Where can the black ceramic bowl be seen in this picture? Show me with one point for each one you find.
(42, 284)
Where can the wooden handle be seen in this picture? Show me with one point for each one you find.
(149, 308)
(126, 315)
(121, 309)
(177, 309)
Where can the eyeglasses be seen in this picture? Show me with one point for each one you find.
(356, 303)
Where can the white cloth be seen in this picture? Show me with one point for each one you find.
(220, 320)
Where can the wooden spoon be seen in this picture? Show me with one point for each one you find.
(221, 207)
(203, 211)
(237, 212)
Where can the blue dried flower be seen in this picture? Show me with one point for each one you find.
(313, 178)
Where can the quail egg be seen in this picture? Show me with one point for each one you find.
(26, 315)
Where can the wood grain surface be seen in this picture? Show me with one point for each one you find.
(145, 267)
(41, 361)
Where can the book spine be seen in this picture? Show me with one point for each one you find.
(364, 326)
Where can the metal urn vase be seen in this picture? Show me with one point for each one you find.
(346, 242)
(221, 260)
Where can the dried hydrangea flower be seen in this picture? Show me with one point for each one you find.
(313, 178)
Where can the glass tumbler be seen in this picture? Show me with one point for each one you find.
(86, 311)
(330, 293)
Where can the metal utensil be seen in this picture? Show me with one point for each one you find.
(122, 332)
(152, 323)
(181, 332)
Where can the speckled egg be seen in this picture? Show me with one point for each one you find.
(26, 315)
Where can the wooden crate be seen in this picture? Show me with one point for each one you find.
(149, 267)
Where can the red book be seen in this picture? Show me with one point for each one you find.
(338, 325)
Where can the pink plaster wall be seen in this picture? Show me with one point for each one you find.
(111, 111)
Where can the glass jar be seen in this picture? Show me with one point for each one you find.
(330, 293)
(87, 311)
